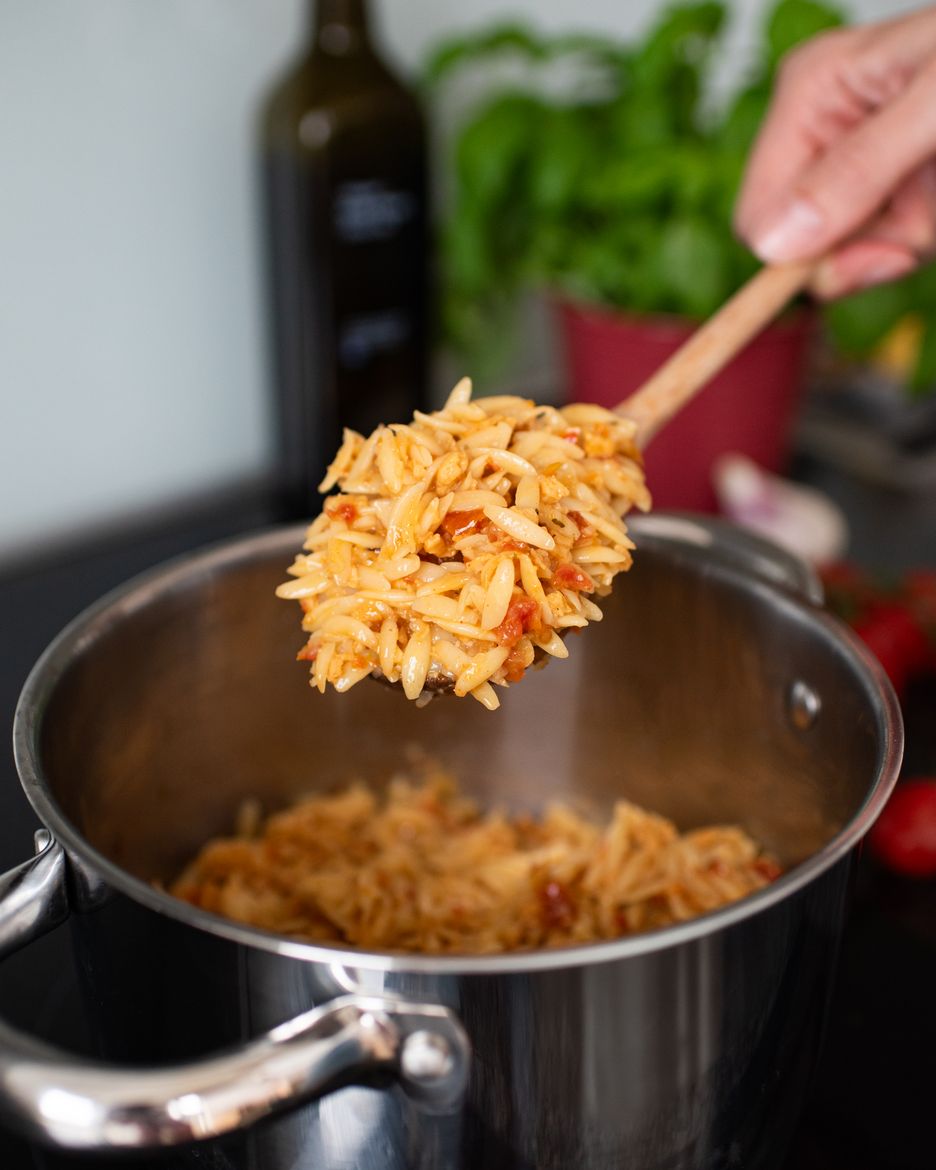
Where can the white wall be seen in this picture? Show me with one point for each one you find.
(132, 365)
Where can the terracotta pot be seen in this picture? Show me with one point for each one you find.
(748, 408)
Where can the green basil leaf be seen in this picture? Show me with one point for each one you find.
(859, 322)
(923, 378)
(794, 21)
(458, 51)
(561, 159)
(646, 118)
(743, 117)
(632, 182)
(684, 35)
(494, 147)
(697, 178)
(692, 265)
(468, 261)
(599, 49)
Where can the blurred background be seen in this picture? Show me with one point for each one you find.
(135, 353)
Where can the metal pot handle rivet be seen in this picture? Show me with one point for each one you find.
(804, 705)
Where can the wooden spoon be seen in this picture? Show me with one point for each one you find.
(713, 345)
(693, 365)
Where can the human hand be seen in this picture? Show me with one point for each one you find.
(849, 140)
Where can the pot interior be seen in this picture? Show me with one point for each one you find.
(175, 703)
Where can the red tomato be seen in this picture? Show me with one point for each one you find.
(904, 838)
(897, 640)
(920, 594)
(572, 577)
(522, 615)
(458, 524)
(339, 508)
(921, 583)
(849, 591)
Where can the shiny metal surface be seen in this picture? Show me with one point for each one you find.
(33, 898)
(677, 700)
(82, 1106)
(151, 719)
(726, 544)
(723, 542)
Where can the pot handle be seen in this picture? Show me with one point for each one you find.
(733, 546)
(33, 897)
(82, 1105)
(66, 1101)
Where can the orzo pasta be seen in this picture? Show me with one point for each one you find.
(421, 869)
(465, 543)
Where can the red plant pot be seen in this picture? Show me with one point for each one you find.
(749, 407)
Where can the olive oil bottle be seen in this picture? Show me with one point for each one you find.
(344, 156)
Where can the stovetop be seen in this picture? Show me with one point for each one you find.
(871, 1106)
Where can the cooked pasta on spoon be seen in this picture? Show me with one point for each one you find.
(465, 543)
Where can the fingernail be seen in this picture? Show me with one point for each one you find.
(790, 235)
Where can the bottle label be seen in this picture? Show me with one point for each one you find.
(364, 335)
(366, 211)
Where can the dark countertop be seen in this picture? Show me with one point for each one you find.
(870, 1106)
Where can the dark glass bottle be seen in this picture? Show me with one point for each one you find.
(344, 146)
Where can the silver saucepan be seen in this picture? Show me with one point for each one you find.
(715, 689)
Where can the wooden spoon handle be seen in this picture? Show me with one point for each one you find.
(713, 345)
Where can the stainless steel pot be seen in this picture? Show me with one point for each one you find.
(715, 689)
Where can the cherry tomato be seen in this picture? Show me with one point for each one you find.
(849, 591)
(896, 619)
(895, 637)
(920, 594)
(904, 838)
(921, 584)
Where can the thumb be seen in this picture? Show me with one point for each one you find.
(850, 182)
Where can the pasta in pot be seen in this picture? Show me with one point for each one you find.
(422, 869)
(465, 543)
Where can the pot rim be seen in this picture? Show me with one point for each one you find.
(129, 596)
